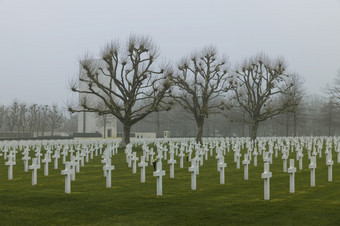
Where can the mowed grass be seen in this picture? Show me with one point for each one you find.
(130, 202)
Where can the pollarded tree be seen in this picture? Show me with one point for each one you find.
(198, 83)
(124, 83)
(260, 87)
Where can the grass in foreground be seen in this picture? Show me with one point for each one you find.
(130, 202)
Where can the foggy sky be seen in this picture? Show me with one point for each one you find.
(42, 40)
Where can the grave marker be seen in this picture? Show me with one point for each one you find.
(68, 173)
(34, 167)
(266, 175)
(291, 171)
(221, 166)
(142, 164)
(312, 167)
(108, 168)
(246, 162)
(193, 169)
(159, 173)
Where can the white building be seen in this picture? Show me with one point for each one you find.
(89, 122)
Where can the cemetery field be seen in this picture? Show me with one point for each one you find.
(129, 202)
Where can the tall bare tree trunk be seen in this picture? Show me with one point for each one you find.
(200, 123)
(126, 135)
(254, 127)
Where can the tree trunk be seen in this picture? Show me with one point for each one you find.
(126, 135)
(200, 123)
(254, 126)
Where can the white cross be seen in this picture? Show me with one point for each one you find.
(291, 171)
(218, 156)
(56, 156)
(108, 167)
(285, 157)
(312, 167)
(172, 162)
(193, 169)
(142, 164)
(68, 173)
(26, 158)
(255, 157)
(221, 166)
(34, 167)
(238, 156)
(245, 163)
(330, 163)
(73, 167)
(159, 173)
(46, 160)
(134, 159)
(266, 175)
(10, 163)
(181, 155)
(38, 155)
(299, 157)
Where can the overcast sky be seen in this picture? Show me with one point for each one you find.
(41, 40)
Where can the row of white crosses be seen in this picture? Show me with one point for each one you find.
(197, 160)
(179, 148)
(71, 167)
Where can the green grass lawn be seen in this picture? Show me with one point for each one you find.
(130, 202)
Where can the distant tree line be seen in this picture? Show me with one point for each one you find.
(317, 116)
(21, 120)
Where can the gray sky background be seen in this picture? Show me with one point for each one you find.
(41, 40)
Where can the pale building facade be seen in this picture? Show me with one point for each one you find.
(90, 122)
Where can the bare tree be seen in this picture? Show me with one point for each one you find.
(199, 81)
(44, 118)
(21, 119)
(124, 83)
(295, 100)
(70, 123)
(334, 88)
(259, 89)
(329, 115)
(12, 115)
(39, 119)
(32, 117)
(55, 118)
